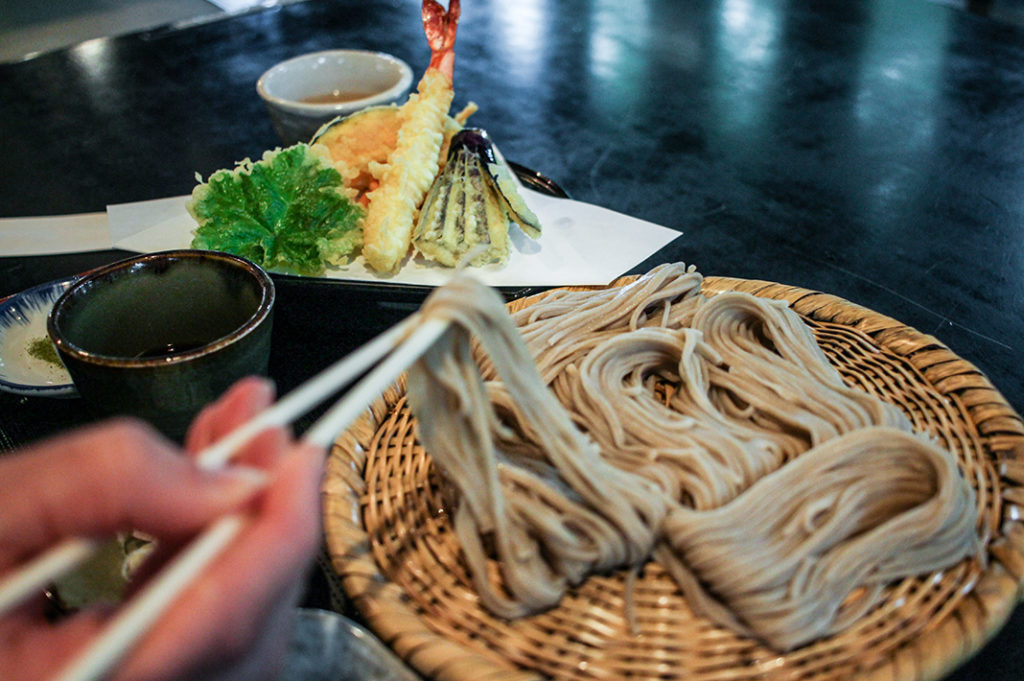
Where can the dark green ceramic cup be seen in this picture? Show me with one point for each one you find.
(160, 336)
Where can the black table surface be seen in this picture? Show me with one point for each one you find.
(872, 150)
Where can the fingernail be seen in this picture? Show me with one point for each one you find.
(268, 386)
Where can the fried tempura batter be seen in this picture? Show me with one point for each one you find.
(410, 169)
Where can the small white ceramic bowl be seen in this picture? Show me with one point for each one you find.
(23, 369)
(363, 77)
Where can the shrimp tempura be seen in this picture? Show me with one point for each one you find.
(411, 167)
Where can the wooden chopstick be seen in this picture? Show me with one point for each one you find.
(339, 417)
(311, 393)
(142, 611)
(147, 607)
(57, 561)
(33, 577)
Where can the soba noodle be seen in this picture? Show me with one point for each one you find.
(554, 512)
(709, 432)
(807, 549)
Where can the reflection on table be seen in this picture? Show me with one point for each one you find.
(869, 150)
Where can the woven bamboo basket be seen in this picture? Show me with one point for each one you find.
(395, 556)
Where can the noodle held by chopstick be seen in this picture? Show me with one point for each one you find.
(551, 520)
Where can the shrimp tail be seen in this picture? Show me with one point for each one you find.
(440, 27)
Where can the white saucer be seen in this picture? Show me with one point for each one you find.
(22, 324)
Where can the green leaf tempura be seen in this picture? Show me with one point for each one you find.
(286, 212)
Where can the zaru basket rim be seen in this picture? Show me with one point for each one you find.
(397, 560)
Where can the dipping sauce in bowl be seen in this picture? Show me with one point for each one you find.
(337, 97)
(159, 336)
(303, 93)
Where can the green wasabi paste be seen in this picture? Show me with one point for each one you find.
(43, 349)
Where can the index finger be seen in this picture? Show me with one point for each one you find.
(112, 477)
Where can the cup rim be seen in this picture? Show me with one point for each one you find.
(304, 108)
(255, 320)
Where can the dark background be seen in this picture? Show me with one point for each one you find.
(872, 150)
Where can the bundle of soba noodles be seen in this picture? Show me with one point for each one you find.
(552, 510)
(808, 549)
(708, 432)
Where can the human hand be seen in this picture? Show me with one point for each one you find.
(232, 623)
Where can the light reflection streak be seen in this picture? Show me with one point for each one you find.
(92, 57)
(745, 58)
(750, 28)
(613, 57)
(93, 60)
(885, 76)
(520, 33)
